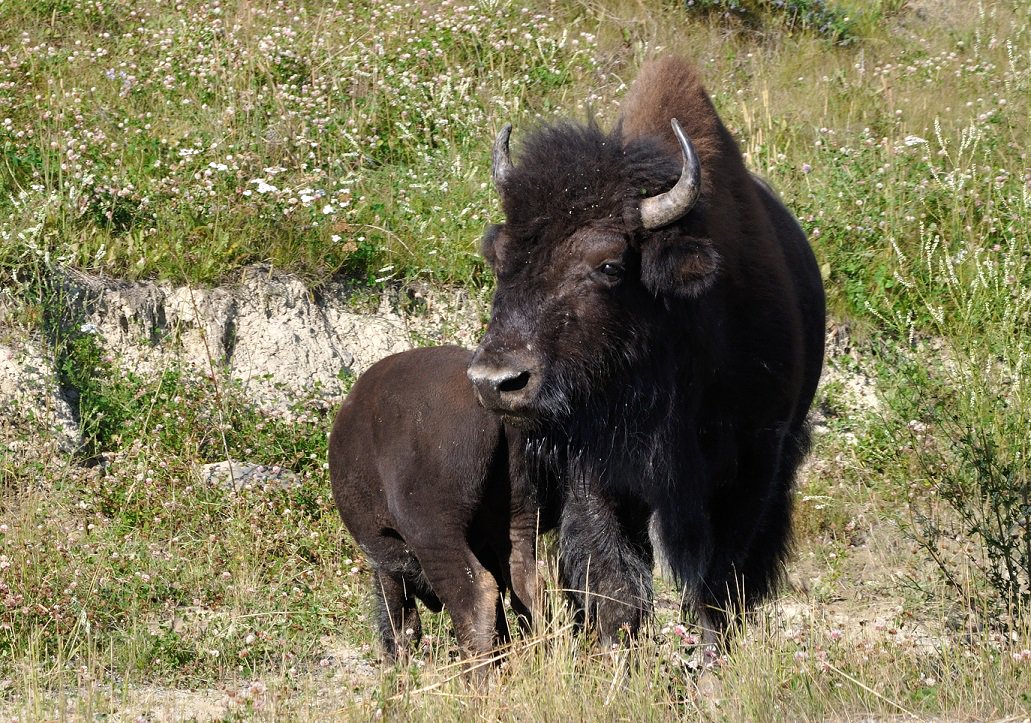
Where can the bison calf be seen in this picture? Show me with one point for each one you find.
(423, 480)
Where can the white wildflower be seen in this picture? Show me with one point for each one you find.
(264, 186)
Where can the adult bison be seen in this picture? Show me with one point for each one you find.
(657, 327)
(423, 479)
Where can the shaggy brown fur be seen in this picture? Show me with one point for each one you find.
(671, 88)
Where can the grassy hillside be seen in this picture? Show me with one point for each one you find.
(182, 141)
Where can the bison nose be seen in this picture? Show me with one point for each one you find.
(503, 387)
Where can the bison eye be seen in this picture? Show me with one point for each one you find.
(612, 270)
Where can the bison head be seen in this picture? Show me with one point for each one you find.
(597, 242)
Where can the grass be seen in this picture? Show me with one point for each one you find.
(139, 551)
(184, 144)
(352, 139)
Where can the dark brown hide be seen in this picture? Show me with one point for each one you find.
(422, 478)
(667, 373)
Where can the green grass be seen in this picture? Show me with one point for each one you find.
(353, 139)
(319, 139)
(141, 553)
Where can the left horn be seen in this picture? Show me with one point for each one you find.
(667, 207)
(501, 164)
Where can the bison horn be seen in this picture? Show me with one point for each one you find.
(667, 207)
(502, 163)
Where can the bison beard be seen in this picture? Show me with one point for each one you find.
(663, 364)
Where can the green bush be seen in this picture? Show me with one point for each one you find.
(960, 383)
(818, 16)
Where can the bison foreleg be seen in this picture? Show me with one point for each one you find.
(605, 562)
(685, 537)
(522, 569)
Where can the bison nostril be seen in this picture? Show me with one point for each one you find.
(514, 384)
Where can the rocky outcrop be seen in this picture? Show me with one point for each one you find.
(269, 331)
(279, 338)
(31, 397)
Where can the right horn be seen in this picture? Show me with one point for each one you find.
(501, 164)
(667, 207)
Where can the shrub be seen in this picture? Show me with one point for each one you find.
(961, 381)
(817, 16)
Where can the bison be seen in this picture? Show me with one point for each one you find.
(657, 330)
(423, 480)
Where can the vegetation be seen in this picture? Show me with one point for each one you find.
(818, 16)
(183, 141)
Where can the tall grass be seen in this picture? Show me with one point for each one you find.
(962, 382)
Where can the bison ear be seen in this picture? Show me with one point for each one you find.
(683, 266)
(488, 242)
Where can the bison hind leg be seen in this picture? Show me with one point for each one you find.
(763, 568)
(400, 627)
(504, 632)
(756, 539)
